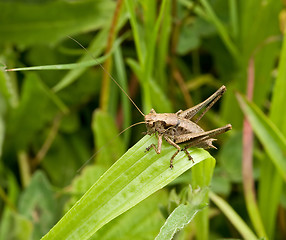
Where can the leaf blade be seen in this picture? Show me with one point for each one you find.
(134, 177)
(182, 215)
(269, 135)
(235, 219)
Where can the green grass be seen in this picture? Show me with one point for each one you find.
(64, 171)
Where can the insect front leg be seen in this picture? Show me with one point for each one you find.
(158, 148)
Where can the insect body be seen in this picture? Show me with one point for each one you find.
(177, 128)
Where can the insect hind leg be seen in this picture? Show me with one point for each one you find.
(178, 150)
(172, 158)
(176, 146)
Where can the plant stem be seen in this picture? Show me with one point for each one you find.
(247, 162)
(108, 63)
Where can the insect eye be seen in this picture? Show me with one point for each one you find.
(151, 124)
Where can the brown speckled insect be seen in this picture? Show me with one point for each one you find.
(178, 128)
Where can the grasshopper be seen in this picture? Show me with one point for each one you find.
(177, 128)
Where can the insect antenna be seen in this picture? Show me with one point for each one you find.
(99, 150)
(108, 74)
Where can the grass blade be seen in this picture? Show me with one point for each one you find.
(270, 181)
(201, 177)
(269, 135)
(233, 217)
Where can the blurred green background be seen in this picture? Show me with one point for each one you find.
(168, 55)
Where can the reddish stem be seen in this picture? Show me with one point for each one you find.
(247, 163)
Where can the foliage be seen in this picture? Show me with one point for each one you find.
(66, 173)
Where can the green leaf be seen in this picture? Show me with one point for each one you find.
(270, 181)
(134, 177)
(279, 92)
(191, 34)
(182, 215)
(188, 41)
(201, 177)
(50, 21)
(141, 222)
(83, 182)
(269, 135)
